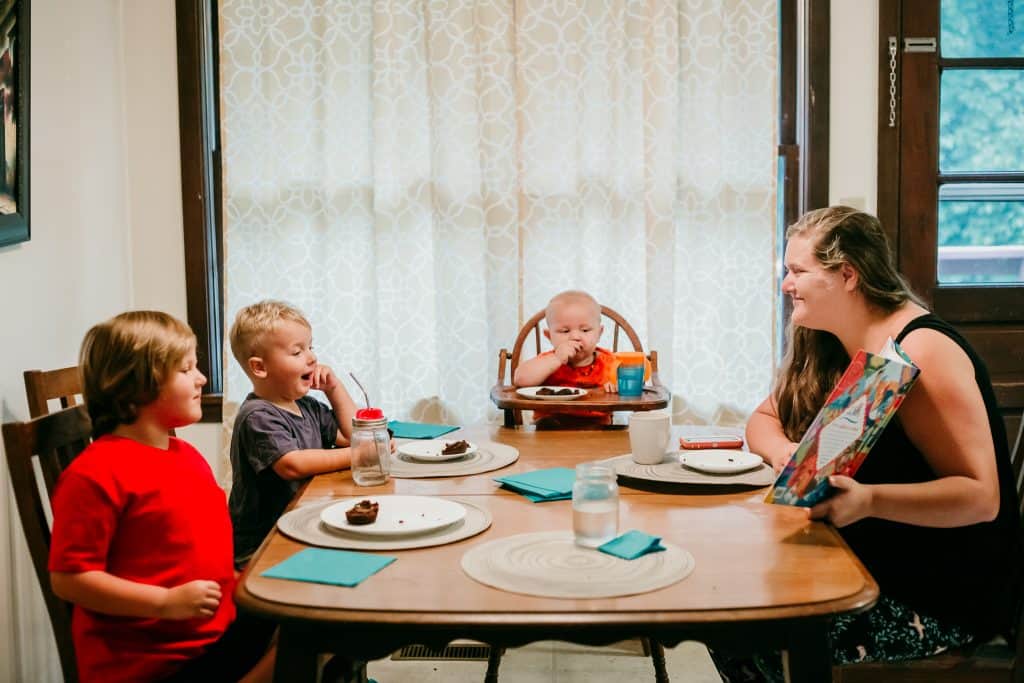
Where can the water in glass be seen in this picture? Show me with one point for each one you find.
(595, 505)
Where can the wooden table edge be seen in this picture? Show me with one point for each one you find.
(857, 602)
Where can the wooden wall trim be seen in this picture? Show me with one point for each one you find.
(200, 196)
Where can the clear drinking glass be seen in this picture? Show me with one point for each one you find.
(371, 451)
(595, 505)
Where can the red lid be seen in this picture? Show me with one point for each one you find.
(369, 414)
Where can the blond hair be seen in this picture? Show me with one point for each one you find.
(571, 296)
(254, 322)
(123, 362)
(815, 359)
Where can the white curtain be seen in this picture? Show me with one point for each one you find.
(421, 177)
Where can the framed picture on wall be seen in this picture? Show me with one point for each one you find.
(14, 35)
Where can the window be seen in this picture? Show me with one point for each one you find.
(951, 168)
(803, 155)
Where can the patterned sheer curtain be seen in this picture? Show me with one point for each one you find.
(421, 177)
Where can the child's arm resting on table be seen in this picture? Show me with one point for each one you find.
(105, 593)
(536, 370)
(306, 462)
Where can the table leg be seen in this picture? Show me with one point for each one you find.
(294, 662)
(493, 662)
(809, 657)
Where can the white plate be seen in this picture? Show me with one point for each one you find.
(430, 451)
(531, 392)
(720, 461)
(397, 515)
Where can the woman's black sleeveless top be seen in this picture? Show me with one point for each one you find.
(968, 575)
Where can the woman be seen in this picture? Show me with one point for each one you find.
(932, 513)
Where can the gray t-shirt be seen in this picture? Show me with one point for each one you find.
(263, 433)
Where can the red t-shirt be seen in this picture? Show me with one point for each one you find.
(596, 374)
(151, 516)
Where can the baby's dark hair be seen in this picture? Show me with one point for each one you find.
(124, 361)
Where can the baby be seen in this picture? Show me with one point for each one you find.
(574, 328)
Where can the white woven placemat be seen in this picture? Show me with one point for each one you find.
(489, 456)
(303, 524)
(549, 564)
(670, 471)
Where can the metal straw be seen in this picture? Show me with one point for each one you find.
(360, 385)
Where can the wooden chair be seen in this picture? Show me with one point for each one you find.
(41, 386)
(996, 662)
(54, 439)
(532, 326)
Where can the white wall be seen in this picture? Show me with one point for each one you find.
(853, 106)
(106, 236)
(73, 272)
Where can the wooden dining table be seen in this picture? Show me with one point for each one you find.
(765, 576)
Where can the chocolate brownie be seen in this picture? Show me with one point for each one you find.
(363, 512)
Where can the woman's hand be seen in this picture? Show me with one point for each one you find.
(851, 502)
(191, 600)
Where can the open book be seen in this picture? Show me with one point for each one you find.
(853, 417)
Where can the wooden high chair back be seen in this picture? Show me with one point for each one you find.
(982, 663)
(620, 328)
(55, 439)
(41, 386)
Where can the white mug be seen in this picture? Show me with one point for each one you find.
(649, 436)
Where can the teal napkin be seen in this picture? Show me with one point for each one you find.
(418, 430)
(539, 486)
(334, 567)
(632, 544)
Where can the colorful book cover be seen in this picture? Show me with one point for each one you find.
(867, 396)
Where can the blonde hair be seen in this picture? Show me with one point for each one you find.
(815, 359)
(256, 320)
(571, 296)
(123, 362)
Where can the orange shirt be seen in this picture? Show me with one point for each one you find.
(596, 374)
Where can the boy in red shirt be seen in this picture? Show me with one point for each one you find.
(141, 541)
(574, 328)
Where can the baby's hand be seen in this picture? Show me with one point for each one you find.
(565, 351)
(611, 387)
(324, 378)
(197, 598)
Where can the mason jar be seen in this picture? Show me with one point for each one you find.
(371, 450)
(595, 504)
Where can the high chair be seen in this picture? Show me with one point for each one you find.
(55, 439)
(620, 328)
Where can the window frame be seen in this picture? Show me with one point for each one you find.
(908, 166)
(201, 202)
(990, 316)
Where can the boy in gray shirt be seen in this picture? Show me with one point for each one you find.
(281, 436)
